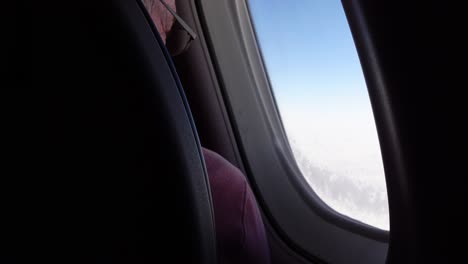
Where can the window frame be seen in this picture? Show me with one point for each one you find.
(265, 150)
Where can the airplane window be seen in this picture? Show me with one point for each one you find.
(322, 98)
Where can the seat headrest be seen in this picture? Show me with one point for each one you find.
(121, 170)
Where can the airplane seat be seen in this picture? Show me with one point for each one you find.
(121, 177)
(240, 231)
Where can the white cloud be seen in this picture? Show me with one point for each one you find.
(337, 150)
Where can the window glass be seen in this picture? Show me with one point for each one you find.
(323, 101)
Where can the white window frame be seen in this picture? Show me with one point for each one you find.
(291, 207)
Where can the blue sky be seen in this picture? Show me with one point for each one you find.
(308, 48)
(320, 90)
